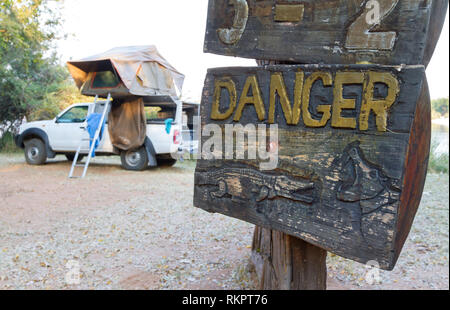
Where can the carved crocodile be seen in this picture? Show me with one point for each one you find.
(248, 184)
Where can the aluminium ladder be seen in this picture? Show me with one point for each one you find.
(92, 141)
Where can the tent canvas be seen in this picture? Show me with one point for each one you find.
(126, 71)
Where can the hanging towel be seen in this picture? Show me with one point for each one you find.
(93, 121)
(168, 123)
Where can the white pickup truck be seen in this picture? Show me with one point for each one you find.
(63, 135)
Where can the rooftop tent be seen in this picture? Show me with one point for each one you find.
(134, 76)
(127, 71)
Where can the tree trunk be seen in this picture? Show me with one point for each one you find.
(283, 262)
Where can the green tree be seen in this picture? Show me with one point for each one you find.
(440, 106)
(29, 71)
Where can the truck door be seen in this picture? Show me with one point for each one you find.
(69, 130)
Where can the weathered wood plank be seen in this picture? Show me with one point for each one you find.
(340, 180)
(389, 32)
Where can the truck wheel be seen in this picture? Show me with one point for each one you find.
(134, 160)
(71, 157)
(35, 152)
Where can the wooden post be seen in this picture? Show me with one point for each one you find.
(284, 262)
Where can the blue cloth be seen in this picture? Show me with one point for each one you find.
(168, 123)
(93, 121)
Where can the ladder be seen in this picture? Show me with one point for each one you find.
(92, 141)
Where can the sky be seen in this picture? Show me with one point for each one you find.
(177, 28)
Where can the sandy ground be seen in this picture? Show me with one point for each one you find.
(127, 230)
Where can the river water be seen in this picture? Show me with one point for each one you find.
(439, 139)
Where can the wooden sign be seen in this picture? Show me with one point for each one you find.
(350, 171)
(390, 32)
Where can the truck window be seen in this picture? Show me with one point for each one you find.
(159, 114)
(74, 115)
(105, 79)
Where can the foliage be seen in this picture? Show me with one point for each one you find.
(55, 102)
(29, 72)
(440, 107)
(7, 144)
(438, 162)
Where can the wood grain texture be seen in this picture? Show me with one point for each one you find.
(416, 168)
(284, 262)
(329, 31)
(340, 189)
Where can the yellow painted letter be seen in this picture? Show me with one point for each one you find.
(231, 87)
(277, 86)
(379, 107)
(325, 109)
(340, 103)
(255, 99)
(299, 79)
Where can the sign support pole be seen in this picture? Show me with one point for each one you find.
(284, 262)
